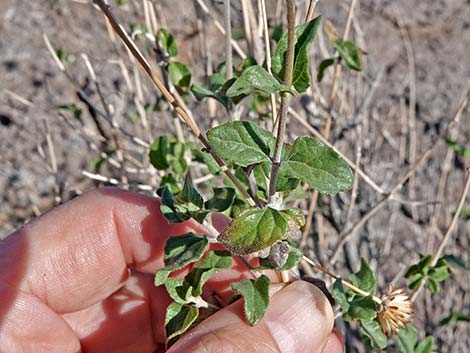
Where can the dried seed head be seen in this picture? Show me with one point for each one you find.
(395, 312)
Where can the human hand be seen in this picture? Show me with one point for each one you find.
(80, 279)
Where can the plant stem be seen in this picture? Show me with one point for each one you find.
(169, 97)
(343, 282)
(285, 98)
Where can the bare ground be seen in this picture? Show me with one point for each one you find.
(438, 34)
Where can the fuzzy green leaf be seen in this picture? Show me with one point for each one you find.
(241, 142)
(167, 42)
(255, 294)
(361, 308)
(179, 74)
(371, 329)
(178, 290)
(213, 263)
(365, 278)
(221, 200)
(180, 251)
(425, 346)
(187, 204)
(255, 79)
(458, 148)
(349, 53)
(304, 36)
(311, 160)
(255, 229)
(179, 319)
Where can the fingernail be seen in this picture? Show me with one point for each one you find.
(299, 318)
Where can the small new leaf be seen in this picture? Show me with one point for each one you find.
(213, 263)
(253, 230)
(180, 251)
(256, 79)
(311, 160)
(304, 36)
(255, 294)
(241, 142)
(178, 319)
(349, 53)
(179, 74)
(167, 42)
(187, 204)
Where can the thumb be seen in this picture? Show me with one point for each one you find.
(299, 320)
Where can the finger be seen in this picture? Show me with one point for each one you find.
(31, 326)
(299, 319)
(333, 344)
(78, 254)
(130, 320)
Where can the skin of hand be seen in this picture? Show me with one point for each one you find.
(80, 279)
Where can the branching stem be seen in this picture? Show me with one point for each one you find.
(285, 98)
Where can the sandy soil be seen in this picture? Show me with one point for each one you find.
(438, 31)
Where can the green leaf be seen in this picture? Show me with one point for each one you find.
(179, 319)
(169, 180)
(178, 290)
(458, 148)
(201, 93)
(167, 42)
(221, 200)
(349, 53)
(168, 153)
(425, 346)
(325, 64)
(415, 281)
(245, 64)
(365, 278)
(253, 230)
(159, 153)
(407, 339)
(362, 308)
(71, 107)
(180, 251)
(255, 79)
(187, 204)
(456, 261)
(62, 55)
(213, 263)
(304, 36)
(255, 294)
(432, 285)
(339, 294)
(179, 74)
(422, 267)
(241, 142)
(371, 329)
(311, 160)
(455, 317)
